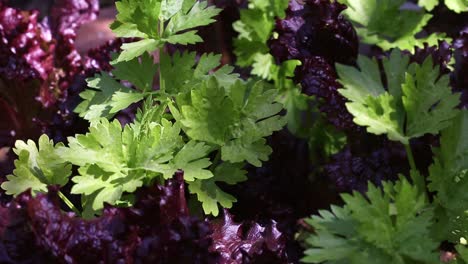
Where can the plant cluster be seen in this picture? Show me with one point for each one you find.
(153, 149)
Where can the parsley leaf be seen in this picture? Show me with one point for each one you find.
(389, 226)
(97, 100)
(113, 160)
(448, 177)
(210, 195)
(37, 167)
(428, 101)
(457, 6)
(199, 15)
(147, 19)
(139, 71)
(107, 96)
(182, 71)
(236, 118)
(384, 23)
(417, 101)
(428, 4)
(255, 28)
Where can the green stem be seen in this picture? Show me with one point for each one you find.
(410, 156)
(162, 82)
(216, 160)
(68, 203)
(416, 177)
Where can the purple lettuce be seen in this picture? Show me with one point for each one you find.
(318, 77)
(42, 73)
(247, 242)
(266, 196)
(318, 35)
(315, 28)
(460, 77)
(441, 55)
(352, 168)
(157, 229)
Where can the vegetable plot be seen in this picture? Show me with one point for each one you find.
(315, 131)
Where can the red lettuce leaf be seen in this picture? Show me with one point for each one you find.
(157, 229)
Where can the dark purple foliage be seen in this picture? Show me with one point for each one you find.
(441, 55)
(17, 240)
(315, 28)
(460, 76)
(318, 77)
(157, 229)
(42, 73)
(247, 242)
(266, 196)
(315, 33)
(447, 21)
(352, 168)
(24, 46)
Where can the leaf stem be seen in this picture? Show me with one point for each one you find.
(410, 156)
(68, 203)
(162, 82)
(216, 160)
(416, 177)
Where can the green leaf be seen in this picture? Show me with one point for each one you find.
(252, 152)
(136, 17)
(138, 71)
(386, 24)
(428, 4)
(448, 177)
(169, 8)
(417, 102)
(385, 226)
(236, 118)
(37, 167)
(199, 15)
(457, 5)
(132, 50)
(189, 37)
(379, 115)
(255, 28)
(181, 71)
(428, 100)
(264, 66)
(295, 102)
(158, 22)
(114, 160)
(122, 100)
(98, 101)
(110, 96)
(210, 195)
(192, 159)
(246, 51)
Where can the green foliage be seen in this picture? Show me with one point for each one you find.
(113, 160)
(457, 6)
(385, 24)
(213, 113)
(385, 226)
(235, 118)
(255, 27)
(37, 167)
(158, 22)
(106, 95)
(210, 195)
(448, 178)
(181, 71)
(417, 102)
